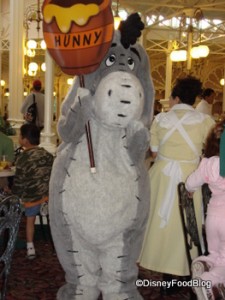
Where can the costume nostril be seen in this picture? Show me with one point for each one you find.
(126, 85)
(125, 101)
(110, 93)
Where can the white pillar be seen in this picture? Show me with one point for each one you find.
(189, 46)
(168, 72)
(47, 134)
(16, 61)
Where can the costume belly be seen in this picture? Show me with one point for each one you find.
(103, 204)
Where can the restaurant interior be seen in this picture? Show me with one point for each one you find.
(181, 37)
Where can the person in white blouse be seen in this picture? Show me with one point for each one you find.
(205, 105)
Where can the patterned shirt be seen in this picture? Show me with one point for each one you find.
(33, 170)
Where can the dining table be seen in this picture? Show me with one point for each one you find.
(7, 172)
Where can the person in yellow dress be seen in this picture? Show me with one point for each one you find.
(176, 141)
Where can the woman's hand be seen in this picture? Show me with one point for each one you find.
(190, 194)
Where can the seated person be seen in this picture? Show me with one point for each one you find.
(31, 181)
(5, 126)
(6, 148)
(211, 268)
(6, 153)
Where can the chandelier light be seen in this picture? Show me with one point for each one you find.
(222, 81)
(31, 44)
(34, 45)
(33, 66)
(30, 52)
(194, 52)
(203, 50)
(43, 66)
(43, 45)
(178, 55)
(2, 82)
(199, 51)
(31, 73)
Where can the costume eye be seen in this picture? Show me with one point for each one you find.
(110, 60)
(130, 62)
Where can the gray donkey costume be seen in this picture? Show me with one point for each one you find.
(98, 220)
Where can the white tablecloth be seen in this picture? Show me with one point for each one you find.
(7, 173)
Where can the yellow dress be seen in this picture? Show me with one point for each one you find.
(178, 137)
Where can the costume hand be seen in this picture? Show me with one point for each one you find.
(83, 103)
(72, 124)
(137, 128)
(137, 140)
(81, 93)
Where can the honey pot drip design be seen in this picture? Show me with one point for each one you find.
(78, 36)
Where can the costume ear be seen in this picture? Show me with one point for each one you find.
(130, 30)
(144, 75)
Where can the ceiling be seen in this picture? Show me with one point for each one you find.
(157, 36)
(169, 8)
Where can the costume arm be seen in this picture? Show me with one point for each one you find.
(72, 121)
(137, 141)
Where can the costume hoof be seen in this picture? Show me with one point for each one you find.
(121, 296)
(73, 292)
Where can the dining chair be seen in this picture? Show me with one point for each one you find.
(189, 223)
(190, 229)
(206, 195)
(189, 226)
(10, 216)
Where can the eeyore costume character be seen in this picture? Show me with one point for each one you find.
(98, 220)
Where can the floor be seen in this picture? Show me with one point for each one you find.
(40, 278)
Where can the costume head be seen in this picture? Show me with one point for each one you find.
(124, 56)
